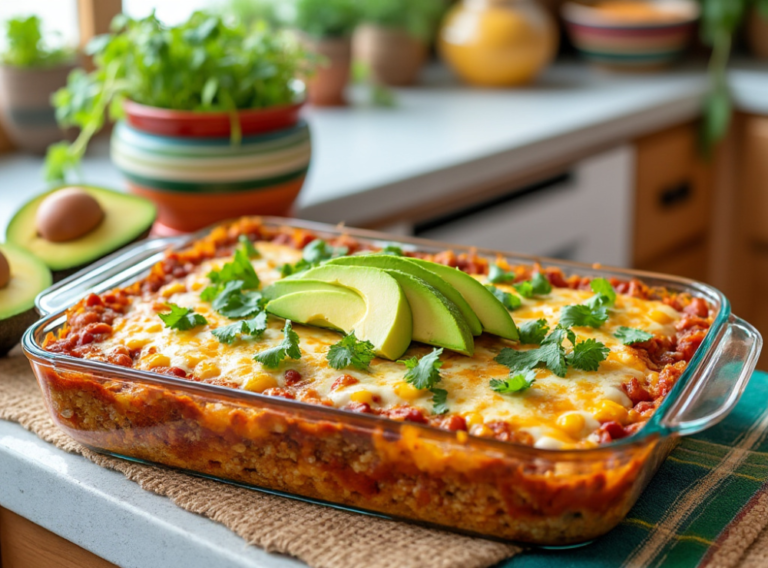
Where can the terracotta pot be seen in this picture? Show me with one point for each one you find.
(757, 34)
(25, 105)
(326, 87)
(393, 56)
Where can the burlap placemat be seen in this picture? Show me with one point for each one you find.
(320, 536)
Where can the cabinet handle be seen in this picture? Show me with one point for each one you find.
(675, 195)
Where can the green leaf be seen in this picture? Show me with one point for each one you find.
(551, 355)
(497, 275)
(325, 18)
(289, 269)
(439, 400)
(538, 285)
(631, 335)
(351, 352)
(423, 373)
(27, 47)
(182, 319)
(236, 304)
(533, 332)
(228, 333)
(239, 269)
(587, 355)
(392, 250)
(288, 347)
(247, 247)
(515, 383)
(605, 295)
(253, 327)
(509, 301)
(313, 254)
(582, 315)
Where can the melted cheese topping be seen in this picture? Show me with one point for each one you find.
(557, 412)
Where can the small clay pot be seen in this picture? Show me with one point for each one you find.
(327, 85)
(26, 111)
(757, 34)
(393, 56)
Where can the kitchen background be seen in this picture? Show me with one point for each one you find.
(602, 131)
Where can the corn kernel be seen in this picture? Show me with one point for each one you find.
(407, 392)
(461, 436)
(207, 370)
(136, 342)
(158, 360)
(660, 317)
(260, 383)
(607, 410)
(171, 289)
(572, 423)
(196, 286)
(653, 378)
(473, 418)
(154, 328)
(192, 359)
(361, 396)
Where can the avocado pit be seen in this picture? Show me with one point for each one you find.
(68, 214)
(5, 271)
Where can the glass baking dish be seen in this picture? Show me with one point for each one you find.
(368, 463)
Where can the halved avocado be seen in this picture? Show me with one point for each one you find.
(29, 277)
(127, 218)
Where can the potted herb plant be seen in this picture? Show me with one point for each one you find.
(394, 37)
(31, 70)
(209, 111)
(326, 28)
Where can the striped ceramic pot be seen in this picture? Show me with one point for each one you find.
(187, 164)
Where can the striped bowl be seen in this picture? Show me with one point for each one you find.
(632, 44)
(196, 181)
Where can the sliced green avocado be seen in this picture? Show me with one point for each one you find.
(283, 287)
(126, 219)
(436, 320)
(29, 277)
(491, 312)
(340, 309)
(387, 322)
(403, 264)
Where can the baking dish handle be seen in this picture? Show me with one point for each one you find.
(719, 382)
(105, 274)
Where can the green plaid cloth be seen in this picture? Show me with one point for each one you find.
(703, 504)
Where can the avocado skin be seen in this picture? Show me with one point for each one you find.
(59, 275)
(13, 328)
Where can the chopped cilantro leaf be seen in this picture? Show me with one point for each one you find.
(182, 318)
(253, 327)
(228, 333)
(392, 250)
(533, 332)
(515, 383)
(587, 355)
(423, 373)
(439, 400)
(247, 246)
(239, 269)
(551, 354)
(288, 347)
(300, 266)
(605, 295)
(509, 301)
(631, 335)
(238, 304)
(497, 275)
(313, 254)
(538, 285)
(350, 351)
(582, 315)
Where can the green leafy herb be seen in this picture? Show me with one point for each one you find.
(509, 301)
(587, 355)
(253, 327)
(551, 355)
(300, 266)
(392, 250)
(533, 332)
(288, 347)
(605, 295)
(239, 269)
(203, 64)
(247, 245)
(582, 315)
(182, 319)
(631, 335)
(325, 18)
(423, 373)
(350, 351)
(497, 275)
(538, 285)
(439, 400)
(515, 383)
(233, 303)
(26, 47)
(313, 254)
(419, 18)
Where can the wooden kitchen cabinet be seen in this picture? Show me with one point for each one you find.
(23, 544)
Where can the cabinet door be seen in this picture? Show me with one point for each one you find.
(689, 262)
(672, 196)
(755, 177)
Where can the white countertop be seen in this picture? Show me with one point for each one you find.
(440, 138)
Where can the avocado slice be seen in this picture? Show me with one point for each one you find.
(387, 322)
(436, 320)
(340, 309)
(292, 286)
(491, 312)
(403, 264)
(29, 277)
(127, 218)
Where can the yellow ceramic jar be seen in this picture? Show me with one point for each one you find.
(498, 43)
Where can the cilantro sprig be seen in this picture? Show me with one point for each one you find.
(593, 312)
(497, 275)
(233, 303)
(439, 401)
(288, 347)
(351, 352)
(631, 335)
(587, 355)
(182, 319)
(313, 254)
(239, 270)
(515, 383)
(533, 332)
(538, 285)
(253, 327)
(248, 247)
(424, 374)
(509, 301)
(392, 250)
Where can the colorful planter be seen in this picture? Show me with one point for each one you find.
(199, 179)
